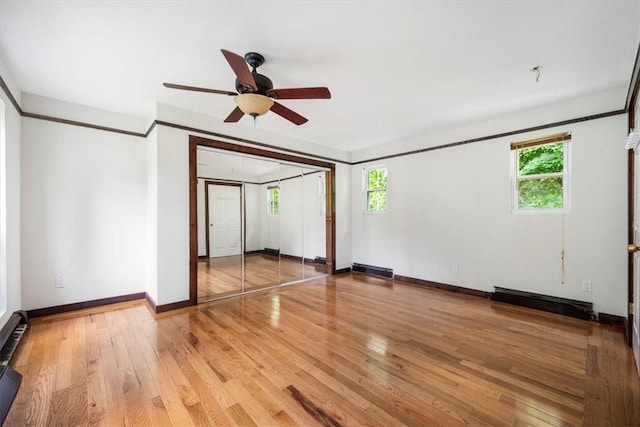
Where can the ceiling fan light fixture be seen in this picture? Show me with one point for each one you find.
(253, 104)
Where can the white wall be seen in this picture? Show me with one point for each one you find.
(290, 217)
(84, 212)
(343, 223)
(300, 226)
(313, 217)
(13, 187)
(449, 219)
(173, 215)
(202, 231)
(152, 215)
(254, 211)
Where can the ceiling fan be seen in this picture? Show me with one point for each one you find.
(255, 93)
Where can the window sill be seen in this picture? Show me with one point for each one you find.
(539, 211)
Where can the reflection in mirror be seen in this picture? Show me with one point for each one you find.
(291, 203)
(314, 223)
(219, 224)
(261, 223)
(262, 267)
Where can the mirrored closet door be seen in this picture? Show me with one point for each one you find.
(261, 223)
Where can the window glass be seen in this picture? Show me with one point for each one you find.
(540, 182)
(274, 200)
(376, 189)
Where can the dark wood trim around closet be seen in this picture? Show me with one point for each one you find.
(193, 223)
(632, 101)
(244, 149)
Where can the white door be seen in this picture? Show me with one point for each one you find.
(224, 220)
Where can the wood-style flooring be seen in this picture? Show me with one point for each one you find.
(223, 275)
(341, 350)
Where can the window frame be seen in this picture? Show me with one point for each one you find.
(516, 178)
(270, 200)
(366, 190)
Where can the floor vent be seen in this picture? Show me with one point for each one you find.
(568, 307)
(320, 260)
(370, 269)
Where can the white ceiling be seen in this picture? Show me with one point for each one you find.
(396, 69)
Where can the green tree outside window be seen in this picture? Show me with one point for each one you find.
(274, 200)
(376, 189)
(540, 177)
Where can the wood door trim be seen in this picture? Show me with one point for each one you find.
(631, 273)
(632, 101)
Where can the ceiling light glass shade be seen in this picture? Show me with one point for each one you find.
(253, 104)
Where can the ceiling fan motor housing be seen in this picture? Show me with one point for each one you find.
(263, 82)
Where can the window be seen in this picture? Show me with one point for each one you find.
(540, 174)
(273, 195)
(322, 192)
(375, 184)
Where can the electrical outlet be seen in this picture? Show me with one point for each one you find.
(587, 286)
(455, 269)
(59, 282)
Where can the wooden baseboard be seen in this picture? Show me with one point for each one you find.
(46, 311)
(150, 301)
(343, 270)
(162, 308)
(298, 258)
(446, 287)
(172, 306)
(40, 312)
(611, 319)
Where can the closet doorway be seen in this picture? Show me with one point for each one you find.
(259, 219)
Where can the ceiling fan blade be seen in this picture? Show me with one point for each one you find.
(239, 66)
(301, 93)
(199, 89)
(235, 115)
(288, 114)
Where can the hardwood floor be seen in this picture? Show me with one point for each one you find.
(341, 350)
(223, 275)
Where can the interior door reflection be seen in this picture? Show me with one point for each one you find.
(220, 270)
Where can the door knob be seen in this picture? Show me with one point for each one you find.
(632, 248)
